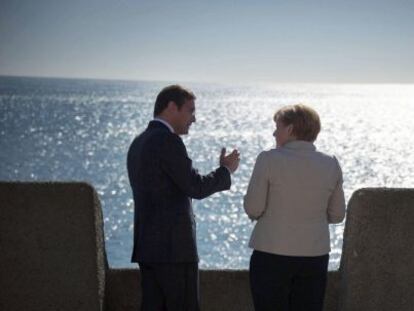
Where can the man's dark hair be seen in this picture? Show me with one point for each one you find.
(174, 93)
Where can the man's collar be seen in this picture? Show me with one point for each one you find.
(165, 123)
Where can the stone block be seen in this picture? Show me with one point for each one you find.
(52, 254)
(377, 264)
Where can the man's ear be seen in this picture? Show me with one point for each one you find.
(290, 129)
(172, 106)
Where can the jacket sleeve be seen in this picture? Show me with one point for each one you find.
(176, 163)
(255, 200)
(336, 203)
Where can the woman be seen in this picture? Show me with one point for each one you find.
(294, 193)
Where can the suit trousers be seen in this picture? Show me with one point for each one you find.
(288, 283)
(169, 286)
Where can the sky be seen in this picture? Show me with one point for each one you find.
(241, 41)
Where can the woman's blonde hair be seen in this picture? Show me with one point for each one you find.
(305, 121)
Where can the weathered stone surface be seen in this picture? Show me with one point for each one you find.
(225, 290)
(220, 290)
(52, 254)
(332, 291)
(377, 265)
(123, 290)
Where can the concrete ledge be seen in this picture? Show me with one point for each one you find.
(52, 254)
(220, 290)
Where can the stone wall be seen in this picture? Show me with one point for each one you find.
(220, 290)
(52, 255)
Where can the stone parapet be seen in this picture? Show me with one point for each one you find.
(52, 254)
(377, 264)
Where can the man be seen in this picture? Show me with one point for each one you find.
(163, 182)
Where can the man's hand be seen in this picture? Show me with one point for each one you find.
(231, 161)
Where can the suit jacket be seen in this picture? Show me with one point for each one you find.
(294, 193)
(163, 183)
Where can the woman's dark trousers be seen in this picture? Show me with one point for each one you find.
(288, 283)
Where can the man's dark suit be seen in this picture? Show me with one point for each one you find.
(163, 182)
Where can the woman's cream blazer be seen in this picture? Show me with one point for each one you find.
(294, 193)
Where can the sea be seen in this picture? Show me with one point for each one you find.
(54, 129)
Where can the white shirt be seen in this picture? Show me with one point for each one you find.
(165, 123)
